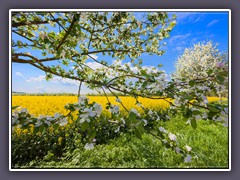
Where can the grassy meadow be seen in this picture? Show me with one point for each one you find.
(64, 149)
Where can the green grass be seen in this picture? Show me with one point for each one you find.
(209, 142)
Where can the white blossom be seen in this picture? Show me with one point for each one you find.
(177, 149)
(150, 112)
(198, 117)
(123, 121)
(188, 148)
(117, 130)
(172, 137)
(89, 112)
(56, 116)
(84, 119)
(97, 109)
(134, 111)
(114, 109)
(63, 121)
(162, 129)
(188, 158)
(145, 122)
(82, 99)
(89, 146)
(42, 35)
(38, 123)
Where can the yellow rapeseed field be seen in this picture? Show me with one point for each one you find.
(49, 105)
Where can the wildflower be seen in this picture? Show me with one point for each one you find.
(177, 149)
(161, 129)
(89, 146)
(84, 119)
(198, 117)
(38, 123)
(188, 158)
(165, 141)
(145, 122)
(172, 137)
(48, 118)
(47, 122)
(56, 116)
(134, 111)
(150, 112)
(115, 109)
(15, 119)
(63, 121)
(188, 148)
(117, 130)
(23, 110)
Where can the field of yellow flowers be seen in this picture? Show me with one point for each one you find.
(49, 105)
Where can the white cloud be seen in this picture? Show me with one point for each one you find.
(36, 79)
(55, 79)
(188, 17)
(94, 65)
(65, 81)
(19, 74)
(212, 23)
(179, 37)
(179, 48)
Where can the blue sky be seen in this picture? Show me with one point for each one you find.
(191, 28)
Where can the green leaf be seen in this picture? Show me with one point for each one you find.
(41, 129)
(36, 130)
(84, 125)
(139, 132)
(92, 134)
(132, 116)
(143, 72)
(210, 71)
(191, 83)
(56, 126)
(15, 107)
(220, 79)
(212, 108)
(194, 123)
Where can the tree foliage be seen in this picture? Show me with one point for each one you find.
(75, 38)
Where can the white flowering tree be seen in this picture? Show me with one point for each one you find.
(201, 60)
(68, 40)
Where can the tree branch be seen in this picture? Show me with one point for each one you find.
(68, 32)
(18, 24)
(54, 19)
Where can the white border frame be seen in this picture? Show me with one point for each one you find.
(114, 10)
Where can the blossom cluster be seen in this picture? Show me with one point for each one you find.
(171, 140)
